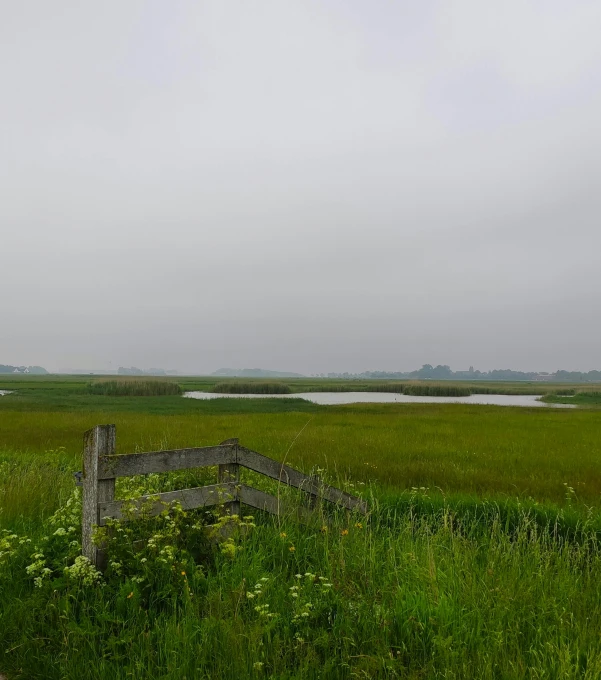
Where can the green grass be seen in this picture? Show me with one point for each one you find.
(480, 557)
(78, 384)
(134, 388)
(586, 398)
(256, 387)
(483, 451)
(408, 595)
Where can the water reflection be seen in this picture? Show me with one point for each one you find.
(332, 398)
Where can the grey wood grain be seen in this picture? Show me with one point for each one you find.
(198, 497)
(288, 475)
(264, 501)
(129, 464)
(230, 472)
(99, 441)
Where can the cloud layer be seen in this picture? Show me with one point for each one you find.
(310, 186)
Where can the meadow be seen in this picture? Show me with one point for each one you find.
(480, 557)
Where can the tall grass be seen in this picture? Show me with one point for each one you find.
(32, 486)
(439, 390)
(134, 388)
(485, 451)
(251, 388)
(399, 595)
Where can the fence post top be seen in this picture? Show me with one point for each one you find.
(99, 427)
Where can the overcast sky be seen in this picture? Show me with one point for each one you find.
(304, 185)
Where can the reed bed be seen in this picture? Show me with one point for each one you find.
(437, 391)
(413, 389)
(135, 388)
(258, 387)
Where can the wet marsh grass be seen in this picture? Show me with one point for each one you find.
(483, 451)
(134, 388)
(257, 387)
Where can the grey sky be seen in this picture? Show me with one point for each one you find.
(303, 185)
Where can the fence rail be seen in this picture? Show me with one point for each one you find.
(101, 468)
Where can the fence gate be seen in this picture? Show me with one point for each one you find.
(101, 467)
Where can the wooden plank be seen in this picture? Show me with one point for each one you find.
(288, 475)
(99, 441)
(230, 472)
(202, 496)
(130, 464)
(268, 503)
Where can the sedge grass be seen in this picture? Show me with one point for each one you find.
(484, 451)
(257, 387)
(134, 388)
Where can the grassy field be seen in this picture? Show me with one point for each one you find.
(480, 557)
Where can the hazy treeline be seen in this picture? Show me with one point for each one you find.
(140, 371)
(429, 372)
(22, 369)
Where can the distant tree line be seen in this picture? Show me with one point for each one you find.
(4, 368)
(440, 372)
(139, 371)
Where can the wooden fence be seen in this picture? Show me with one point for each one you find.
(101, 467)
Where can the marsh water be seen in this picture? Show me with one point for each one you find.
(332, 398)
(3, 392)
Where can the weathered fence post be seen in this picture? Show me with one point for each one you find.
(99, 441)
(312, 491)
(230, 472)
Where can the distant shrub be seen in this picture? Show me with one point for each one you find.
(437, 391)
(251, 388)
(135, 388)
(396, 388)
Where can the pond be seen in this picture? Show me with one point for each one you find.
(332, 398)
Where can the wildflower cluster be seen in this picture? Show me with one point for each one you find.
(257, 592)
(83, 572)
(155, 551)
(229, 531)
(9, 545)
(419, 492)
(38, 569)
(310, 595)
(61, 544)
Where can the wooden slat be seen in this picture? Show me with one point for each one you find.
(268, 503)
(130, 464)
(287, 475)
(202, 496)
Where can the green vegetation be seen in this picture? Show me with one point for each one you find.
(134, 388)
(257, 387)
(578, 398)
(479, 559)
(437, 391)
(396, 596)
